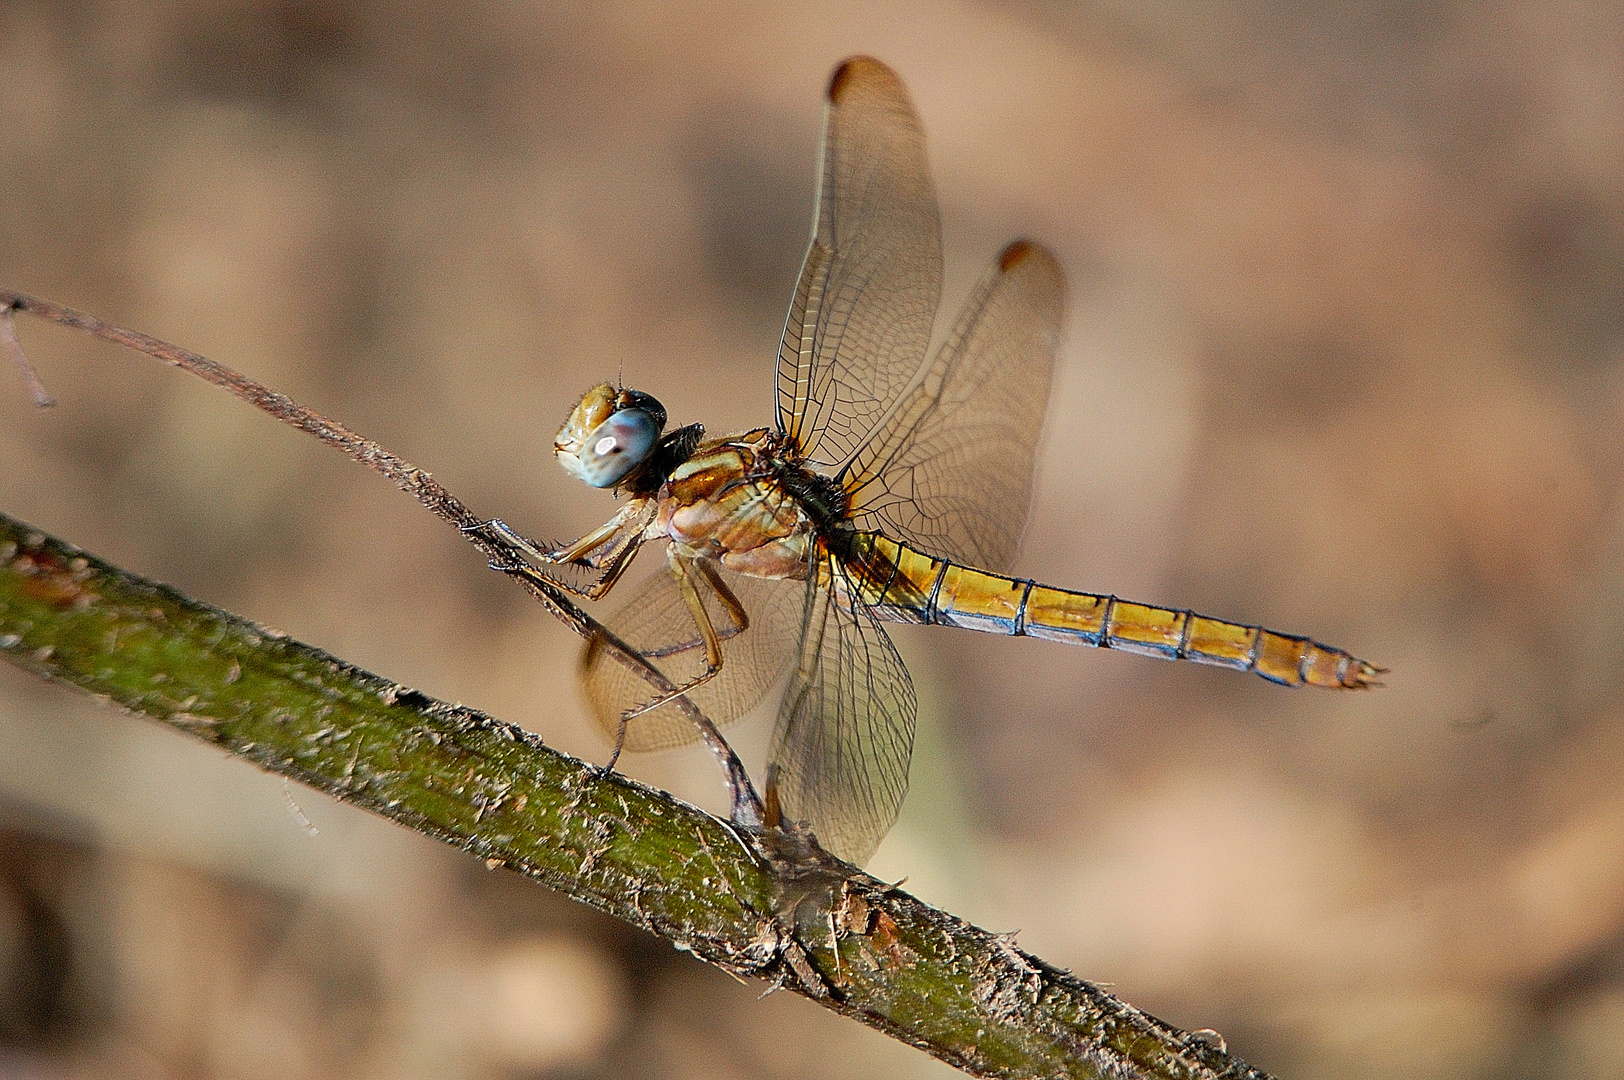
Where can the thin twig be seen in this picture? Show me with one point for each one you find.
(747, 808)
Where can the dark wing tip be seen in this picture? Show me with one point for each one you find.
(1031, 257)
(856, 71)
(1015, 254)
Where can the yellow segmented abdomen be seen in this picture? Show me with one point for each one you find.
(904, 585)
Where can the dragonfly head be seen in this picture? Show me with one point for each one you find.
(609, 435)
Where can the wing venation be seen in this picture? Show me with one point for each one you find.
(860, 320)
(951, 469)
(839, 757)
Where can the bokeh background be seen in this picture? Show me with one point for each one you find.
(1345, 355)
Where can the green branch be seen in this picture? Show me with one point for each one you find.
(960, 993)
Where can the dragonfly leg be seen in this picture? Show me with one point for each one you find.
(498, 530)
(597, 538)
(622, 560)
(609, 548)
(746, 809)
(773, 811)
(735, 610)
(620, 744)
(596, 591)
(690, 573)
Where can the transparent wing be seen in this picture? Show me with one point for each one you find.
(951, 469)
(655, 621)
(839, 758)
(861, 316)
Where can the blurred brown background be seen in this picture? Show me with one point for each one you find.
(1345, 355)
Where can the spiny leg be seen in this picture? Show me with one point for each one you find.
(499, 532)
(746, 805)
(614, 542)
(596, 591)
(690, 572)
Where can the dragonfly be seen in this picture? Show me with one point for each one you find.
(893, 487)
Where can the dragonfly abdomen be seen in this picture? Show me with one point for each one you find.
(904, 585)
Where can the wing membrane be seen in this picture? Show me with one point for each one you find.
(655, 621)
(860, 321)
(839, 759)
(951, 469)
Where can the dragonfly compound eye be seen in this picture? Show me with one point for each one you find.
(617, 446)
(610, 433)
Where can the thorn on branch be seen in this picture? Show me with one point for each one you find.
(9, 342)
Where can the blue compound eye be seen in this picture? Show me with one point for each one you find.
(617, 446)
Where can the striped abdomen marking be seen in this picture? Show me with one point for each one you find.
(904, 585)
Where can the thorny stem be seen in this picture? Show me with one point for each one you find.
(828, 932)
(747, 808)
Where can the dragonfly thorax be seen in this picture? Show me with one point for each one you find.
(742, 502)
(822, 495)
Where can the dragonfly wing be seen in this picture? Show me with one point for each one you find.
(951, 469)
(656, 622)
(839, 758)
(860, 321)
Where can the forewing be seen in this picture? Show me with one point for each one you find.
(656, 622)
(839, 759)
(860, 320)
(951, 470)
